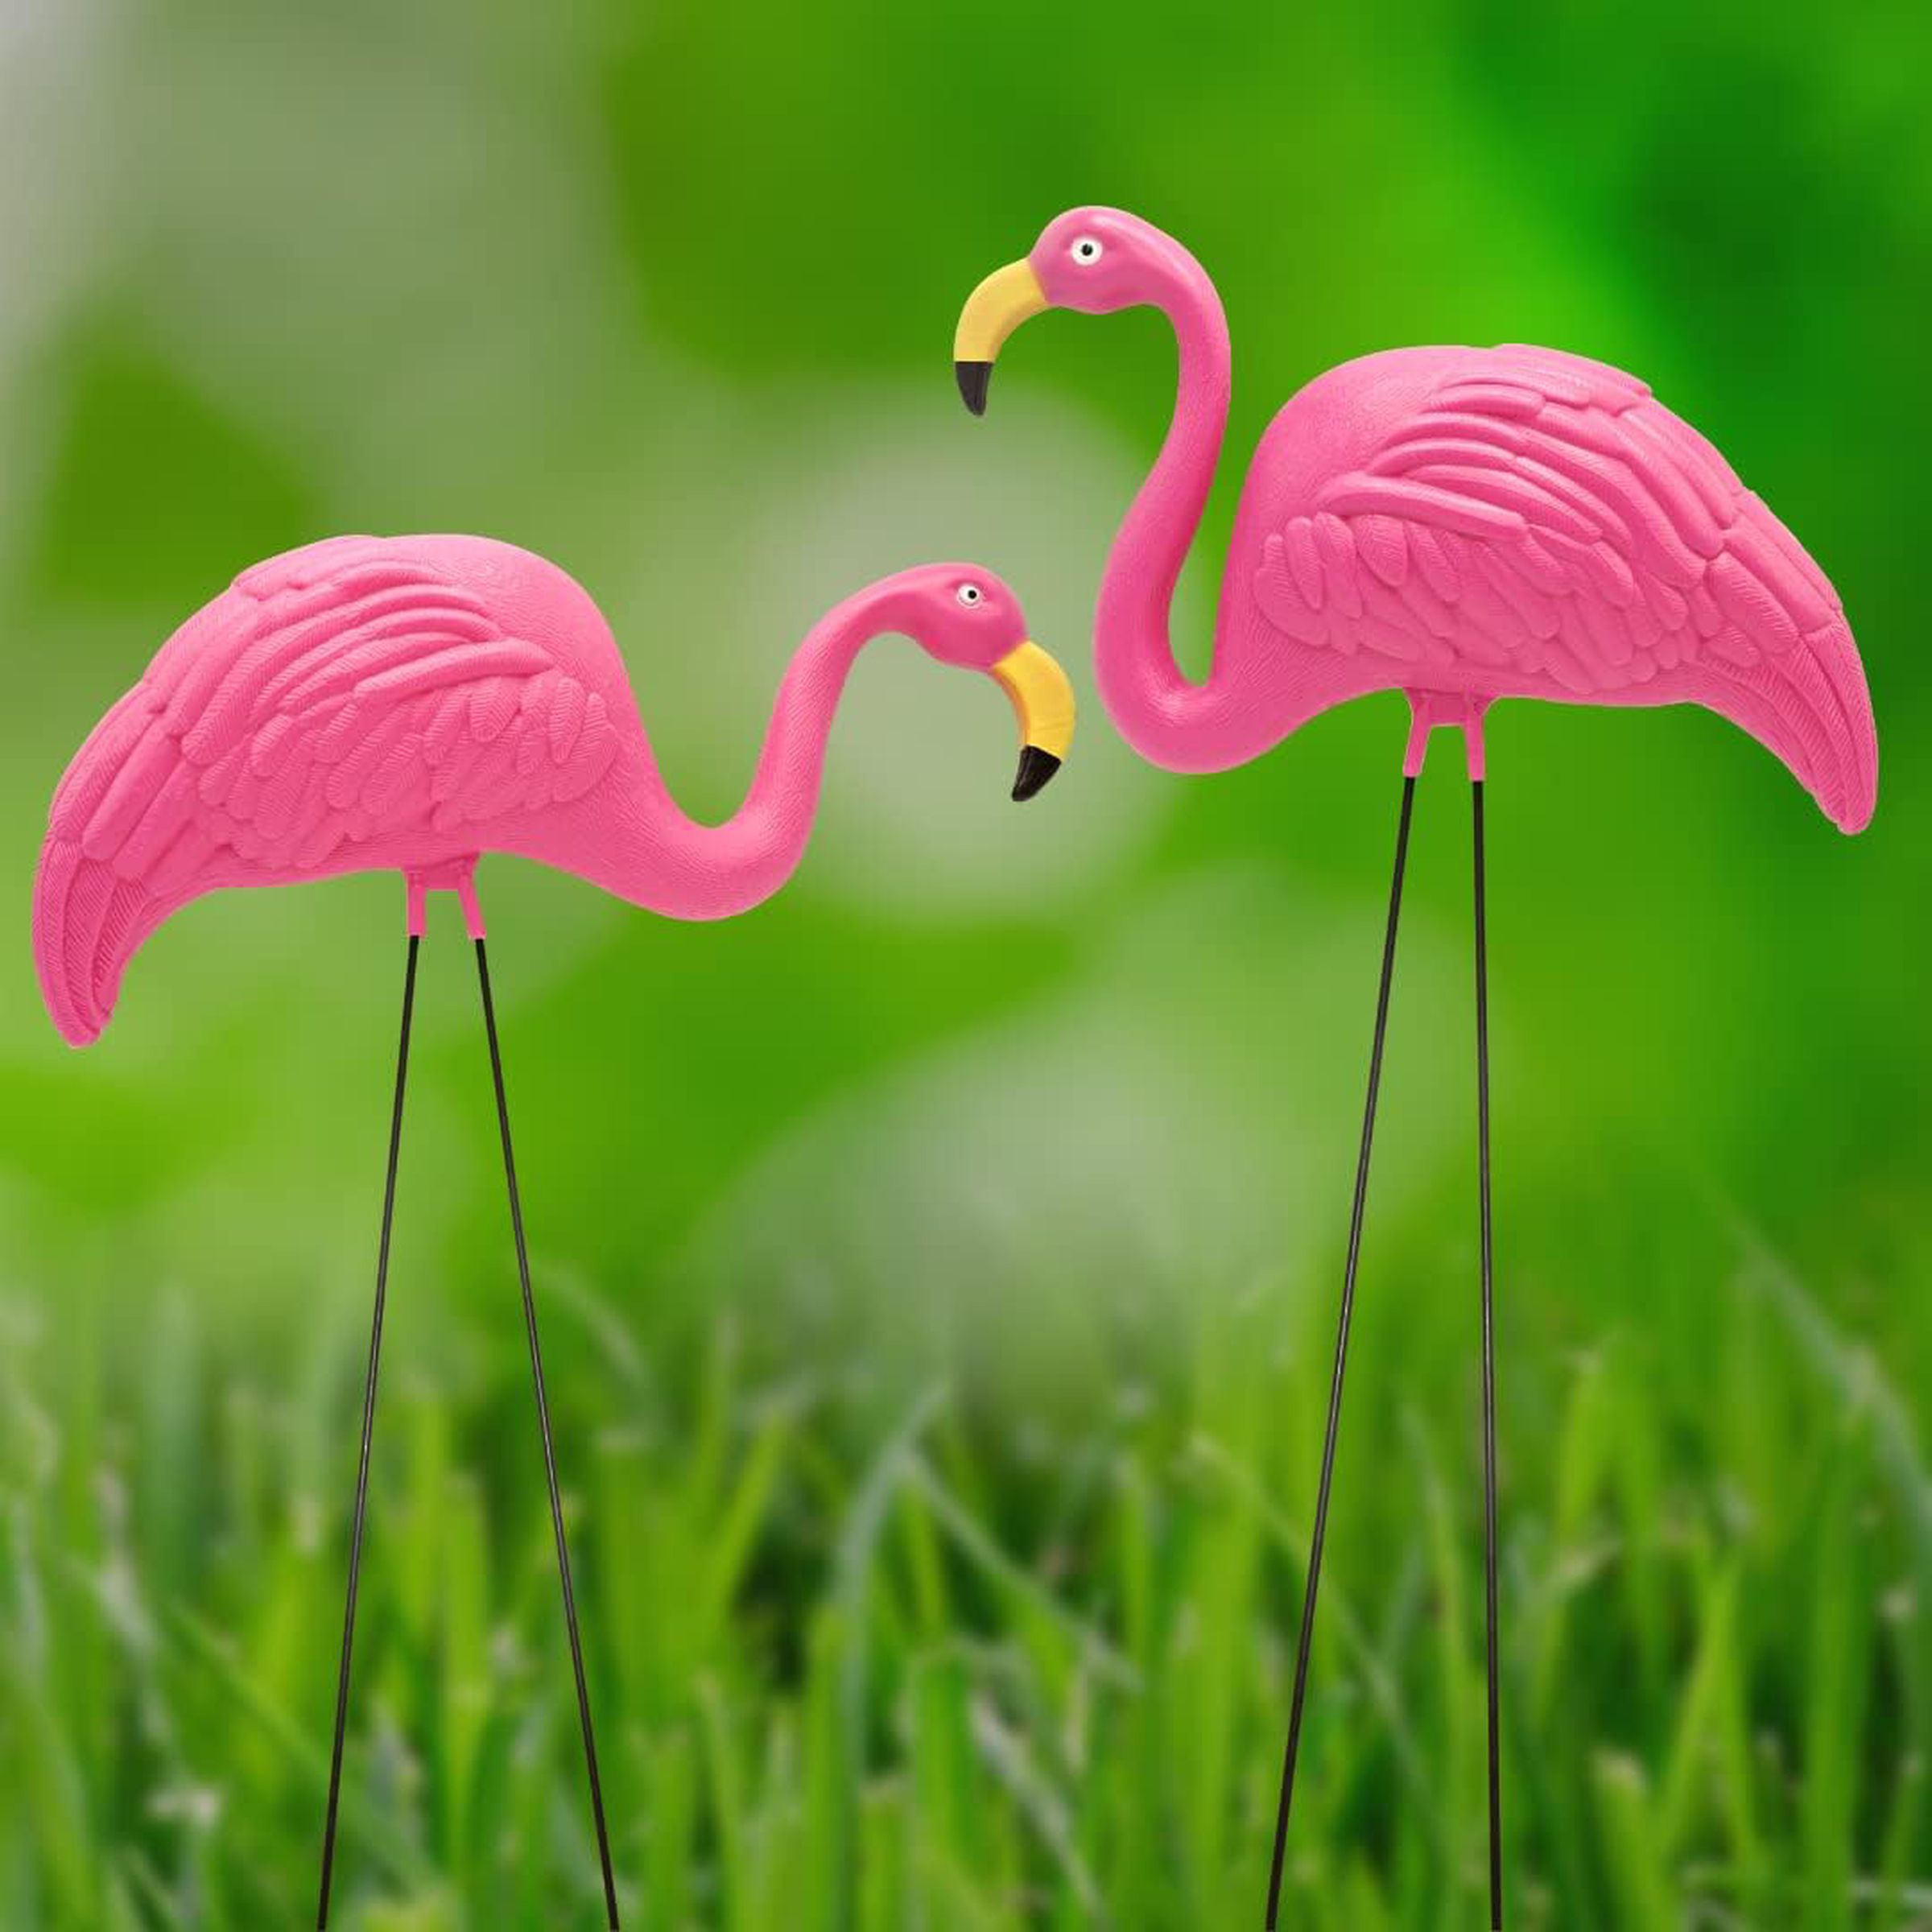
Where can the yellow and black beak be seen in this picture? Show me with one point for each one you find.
(993, 312)
(1043, 701)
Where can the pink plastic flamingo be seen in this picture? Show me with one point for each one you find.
(1461, 525)
(412, 703)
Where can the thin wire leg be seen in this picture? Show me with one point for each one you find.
(1313, 1583)
(1482, 1133)
(550, 1458)
(369, 1424)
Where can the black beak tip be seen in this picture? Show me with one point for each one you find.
(975, 379)
(1036, 768)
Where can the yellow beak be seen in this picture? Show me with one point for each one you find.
(993, 312)
(1043, 701)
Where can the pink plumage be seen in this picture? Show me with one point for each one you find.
(411, 703)
(1460, 524)
(1520, 522)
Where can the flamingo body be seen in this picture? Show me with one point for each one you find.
(411, 703)
(1470, 524)
(1460, 524)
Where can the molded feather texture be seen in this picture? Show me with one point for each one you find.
(349, 693)
(1541, 526)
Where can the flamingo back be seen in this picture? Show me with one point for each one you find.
(1520, 522)
(361, 702)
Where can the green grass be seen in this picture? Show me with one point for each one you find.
(964, 1666)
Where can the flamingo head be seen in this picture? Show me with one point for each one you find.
(1094, 260)
(961, 615)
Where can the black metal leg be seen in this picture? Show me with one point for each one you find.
(550, 1459)
(1341, 1354)
(368, 1423)
(1489, 1563)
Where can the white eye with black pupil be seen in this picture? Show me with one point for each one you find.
(969, 594)
(1086, 251)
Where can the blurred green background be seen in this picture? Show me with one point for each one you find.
(940, 1263)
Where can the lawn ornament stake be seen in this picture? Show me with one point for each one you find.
(411, 704)
(1460, 524)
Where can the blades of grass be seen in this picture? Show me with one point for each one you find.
(49, 1470)
(1559, 1827)
(435, 1911)
(919, 1542)
(1133, 1544)
(1636, 1485)
(150, 1761)
(1640, 1881)
(1060, 1647)
(1043, 1807)
(1583, 1449)
(411, 1509)
(704, 1453)
(1857, 1381)
(1893, 1904)
(948, 1840)
(623, 1480)
(1359, 1906)
(1119, 1791)
(671, 1804)
(1778, 1791)
(831, 1779)
(738, 1905)
(1693, 1754)
(531, 1781)
(244, 1461)
(1463, 1714)
(853, 1582)
(1083, 1638)
(736, 1524)
(884, 1898)
(1736, 1777)
(466, 1699)
(378, 1832)
(1372, 1662)
(55, 1797)
(1210, 1674)
(172, 1396)
(1896, 1857)
(281, 1634)
(159, 1906)
(1838, 1672)
(774, 1826)
(1223, 1601)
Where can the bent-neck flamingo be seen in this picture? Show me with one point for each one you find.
(1460, 524)
(411, 704)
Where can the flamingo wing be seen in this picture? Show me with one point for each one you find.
(1541, 525)
(348, 703)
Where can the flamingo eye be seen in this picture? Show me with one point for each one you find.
(969, 595)
(1086, 251)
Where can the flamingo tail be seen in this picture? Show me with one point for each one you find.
(1812, 705)
(1845, 674)
(1822, 729)
(87, 925)
(119, 856)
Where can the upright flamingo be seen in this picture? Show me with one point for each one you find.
(411, 704)
(1460, 524)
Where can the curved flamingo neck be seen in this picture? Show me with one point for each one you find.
(638, 842)
(1157, 707)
